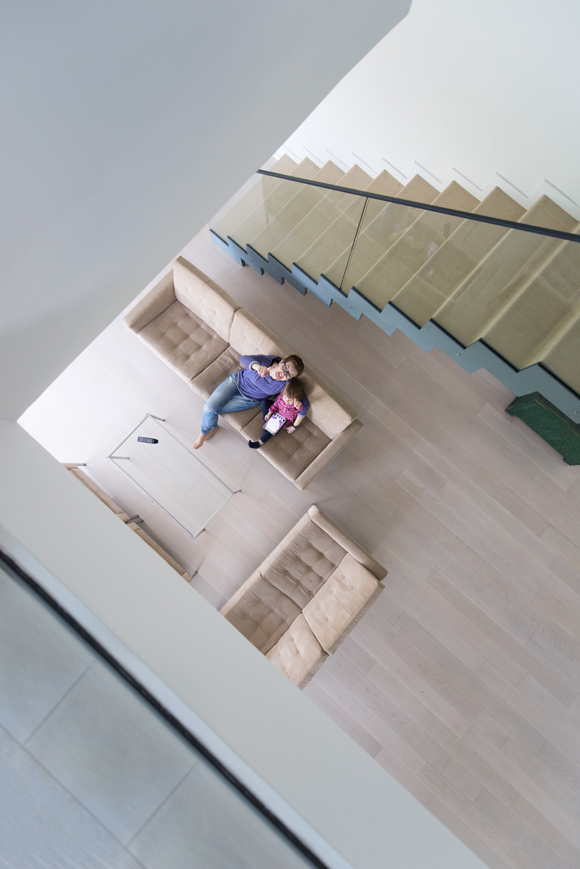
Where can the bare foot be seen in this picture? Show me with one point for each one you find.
(203, 437)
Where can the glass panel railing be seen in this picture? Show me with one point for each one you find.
(486, 270)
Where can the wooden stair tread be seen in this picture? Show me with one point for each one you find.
(295, 210)
(251, 200)
(341, 232)
(539, 316)
(563, 359)
(272, 204)
(409, 248)
(427, 290)
(479, 299)
(321, 216)
(416, 246)
(383, 224)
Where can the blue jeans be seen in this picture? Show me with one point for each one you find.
(226, 398)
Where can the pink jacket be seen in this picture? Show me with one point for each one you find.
(288, 411)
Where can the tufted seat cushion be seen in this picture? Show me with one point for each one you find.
(290, 454)
(261, 612)
(303, 563)
(297, 653)
(216, 373)
(182, 340)
(341, 602)
(309, 592)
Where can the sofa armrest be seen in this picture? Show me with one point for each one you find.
(327, 454)
(153, 303)
(361, 555)
(239, 594)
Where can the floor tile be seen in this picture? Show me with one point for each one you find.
(206, 823)
(39, 660)
(42, 825)
(109, 750)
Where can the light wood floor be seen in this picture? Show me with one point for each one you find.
(463, 680)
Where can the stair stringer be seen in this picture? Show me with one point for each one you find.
(478, 355)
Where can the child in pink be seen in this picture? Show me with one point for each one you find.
(288, 404)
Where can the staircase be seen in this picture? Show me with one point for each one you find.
(490, 296)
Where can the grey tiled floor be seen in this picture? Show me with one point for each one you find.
(42, 826)
(91, 777)
(222, 831)
(39, 661)
(117, 761)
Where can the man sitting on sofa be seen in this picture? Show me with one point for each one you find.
(260, 377)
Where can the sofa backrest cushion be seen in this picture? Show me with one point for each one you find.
(204, 297)
(304, 564)
(327, 411)
(341, 602)
(248, 337)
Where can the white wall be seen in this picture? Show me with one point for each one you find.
(482, 86)
(125, 125)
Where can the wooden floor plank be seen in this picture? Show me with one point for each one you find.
(463, 680)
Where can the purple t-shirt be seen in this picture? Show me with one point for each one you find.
(255, 387)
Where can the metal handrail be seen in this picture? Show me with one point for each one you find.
(425, 206)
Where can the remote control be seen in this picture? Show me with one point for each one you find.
(148, 440)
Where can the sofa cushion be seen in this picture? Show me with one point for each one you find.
(204, 298)
(292, 453)
(248, 337)
(341, 602)
(357, 552)
(182, 340)
(262, 613)
(329, 414)
(205, 383)
(304, 564)
(297, 653)
(215, 373)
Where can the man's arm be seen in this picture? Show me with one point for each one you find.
(304, 409)
(257, 363)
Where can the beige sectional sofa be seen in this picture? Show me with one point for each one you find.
(131, 522)
(306, 596)
(200, 332)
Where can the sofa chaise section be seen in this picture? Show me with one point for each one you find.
(306, 596)
(185, 319)
(200, 332)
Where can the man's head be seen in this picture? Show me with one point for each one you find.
(289, 367)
